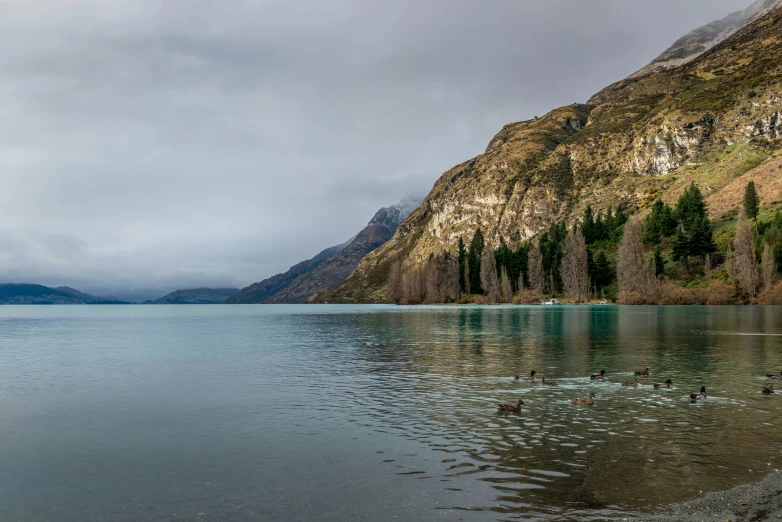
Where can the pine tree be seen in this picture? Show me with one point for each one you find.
(751, 201)
(588, 226)
(659, 263)
(681, 247)
(652, 227)
(600, 272)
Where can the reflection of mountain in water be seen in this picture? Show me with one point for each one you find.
(434, 375)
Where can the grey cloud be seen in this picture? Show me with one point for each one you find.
(188, 141)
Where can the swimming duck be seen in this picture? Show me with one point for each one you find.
(772, 376)
(644, 371)
(530, 377)
(547, 383)
(601, 375)
(510, 408)
(631, 383)
(589, 401)
(699, 396)
(666, 384)
(768, 389)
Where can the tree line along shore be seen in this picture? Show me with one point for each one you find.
(675, 256)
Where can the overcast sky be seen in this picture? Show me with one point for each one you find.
(160, 144)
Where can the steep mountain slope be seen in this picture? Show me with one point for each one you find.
(39, 294)
(711, 121)
(704, 38)
(331, 267)
(197, 296)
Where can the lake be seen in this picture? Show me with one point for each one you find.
(239, 413)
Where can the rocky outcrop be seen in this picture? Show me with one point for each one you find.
(637, 140)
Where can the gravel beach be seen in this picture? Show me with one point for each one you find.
(748, 503)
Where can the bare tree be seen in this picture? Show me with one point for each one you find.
(769, 266)
(394, 289)
(632, 268)
(433, 275)
(413, 288)
(506, 287)
(575, 273)
(489, 275)
(744, 259)
(452, 287)
(520, 282)
(535, 270)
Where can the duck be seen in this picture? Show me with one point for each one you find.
(510, 408)
(589, 401)
(772, 376)
(631, 383)
(530, 377)
(666, 384)
(601, 375)
(699, 396)
(768, 389)
(547, 383)
(644, 371)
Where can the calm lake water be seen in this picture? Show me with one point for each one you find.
(239, 413)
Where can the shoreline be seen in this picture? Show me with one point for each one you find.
(754, 502)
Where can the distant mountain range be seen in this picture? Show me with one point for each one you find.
(196, 296)
(332, 266)
(39, 294)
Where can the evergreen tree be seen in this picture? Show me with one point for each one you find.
(462, 257)
(691, 207)
(668, 221)
(681, 247)
(474, 257)
(601, 233)
(659, 263)
(600, 272)
(701, 241)
(652, 227)
(751, 201)
(588, 226)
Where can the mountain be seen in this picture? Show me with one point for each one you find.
(38, 294)
(704, 38)
(197, 296)
(715, 121)
(332, 266)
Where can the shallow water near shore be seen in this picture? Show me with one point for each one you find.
(375, 412)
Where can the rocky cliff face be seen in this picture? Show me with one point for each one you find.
(704, 38)
(331, 267)
(709, 121)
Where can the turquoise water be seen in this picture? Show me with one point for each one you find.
(241, 413)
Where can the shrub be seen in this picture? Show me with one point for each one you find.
(717, 293)
(526, 297)
(772, 296)
(673, 294)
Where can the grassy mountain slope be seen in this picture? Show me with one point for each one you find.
(712, 120)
